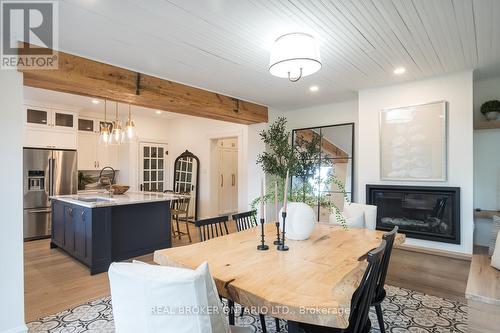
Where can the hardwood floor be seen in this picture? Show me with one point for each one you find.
(53, 281)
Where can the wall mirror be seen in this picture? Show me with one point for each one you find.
(327, 153)
(186, 174)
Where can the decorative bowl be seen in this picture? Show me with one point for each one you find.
(119, 189)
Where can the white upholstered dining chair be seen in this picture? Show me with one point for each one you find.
(358, 215)
(158, 299)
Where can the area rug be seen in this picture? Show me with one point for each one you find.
(404, 311)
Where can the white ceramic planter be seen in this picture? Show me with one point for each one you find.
(300, 221)
(492, 115)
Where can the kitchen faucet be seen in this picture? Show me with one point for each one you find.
(109, 181)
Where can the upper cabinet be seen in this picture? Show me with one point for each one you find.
(49, 128)
(91, 155)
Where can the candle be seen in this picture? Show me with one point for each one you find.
(262, 198)
(276, 200)
(286, 192)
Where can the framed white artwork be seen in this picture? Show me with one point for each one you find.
(413, 142)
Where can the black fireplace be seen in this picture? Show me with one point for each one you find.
(423, 212)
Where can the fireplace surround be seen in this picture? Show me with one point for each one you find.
(423, 212)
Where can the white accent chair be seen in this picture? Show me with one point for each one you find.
(358, 216)
(158, 299)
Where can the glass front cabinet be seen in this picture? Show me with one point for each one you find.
(46, 127)
(42, 117)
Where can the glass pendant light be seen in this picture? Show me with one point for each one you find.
(130, 132)
(104, 134)
(116, 133)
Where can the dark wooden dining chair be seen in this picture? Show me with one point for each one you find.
(212, 227)
(246, 221)
(380, 292)
(359, 322)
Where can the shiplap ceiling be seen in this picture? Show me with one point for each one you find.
(223, 45)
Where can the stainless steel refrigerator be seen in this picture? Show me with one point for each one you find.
(46, 172)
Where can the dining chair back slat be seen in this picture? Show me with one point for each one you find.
(361, 300)
(245, 220)
(380, 293)
(212, 227)
(384, 267)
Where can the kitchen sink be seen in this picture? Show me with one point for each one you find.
(93, 199)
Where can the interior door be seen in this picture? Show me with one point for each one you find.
(153, 166)
(228, 186)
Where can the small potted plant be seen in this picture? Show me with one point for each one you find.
(491, 109)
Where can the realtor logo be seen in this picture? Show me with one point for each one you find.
(29, 34)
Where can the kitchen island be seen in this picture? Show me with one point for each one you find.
(97, 229)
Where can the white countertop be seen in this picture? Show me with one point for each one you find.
(129, 198)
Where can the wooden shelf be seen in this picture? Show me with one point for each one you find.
(486, 214)
(482, 125)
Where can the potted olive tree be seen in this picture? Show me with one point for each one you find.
(282, 155)
(490, 109)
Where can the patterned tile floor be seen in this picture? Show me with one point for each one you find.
(404, 311)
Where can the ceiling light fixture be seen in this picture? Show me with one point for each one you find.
(116, 133)
(130, 132)
(313, 88)
(95, 101)
(399, 70)
(294, 56)
(104, 128)
(158, 112)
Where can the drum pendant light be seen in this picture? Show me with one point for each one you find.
(294, 56)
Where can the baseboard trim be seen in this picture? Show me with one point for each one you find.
(19, 329)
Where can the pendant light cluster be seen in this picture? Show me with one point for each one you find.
(113, 133)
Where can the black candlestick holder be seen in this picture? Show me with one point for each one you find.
(282, 246)
(278, 240)
(262, 246)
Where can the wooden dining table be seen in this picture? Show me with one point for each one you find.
(311, 283)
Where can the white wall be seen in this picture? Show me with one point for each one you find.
(254, 172)
(11, 198)
(457, 89)
(486, 160)
(321, 115)
(195, 134)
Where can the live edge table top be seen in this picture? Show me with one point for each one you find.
(313, 282)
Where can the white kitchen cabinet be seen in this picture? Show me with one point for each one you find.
(87, 151)
(49, 118)
(88, 125)
(49, 128)
(93, 156)
(107, 156)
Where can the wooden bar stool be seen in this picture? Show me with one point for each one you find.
(180, 213)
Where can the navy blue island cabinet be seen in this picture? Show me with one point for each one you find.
(97, 236)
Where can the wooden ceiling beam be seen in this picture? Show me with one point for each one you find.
(81, 76)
